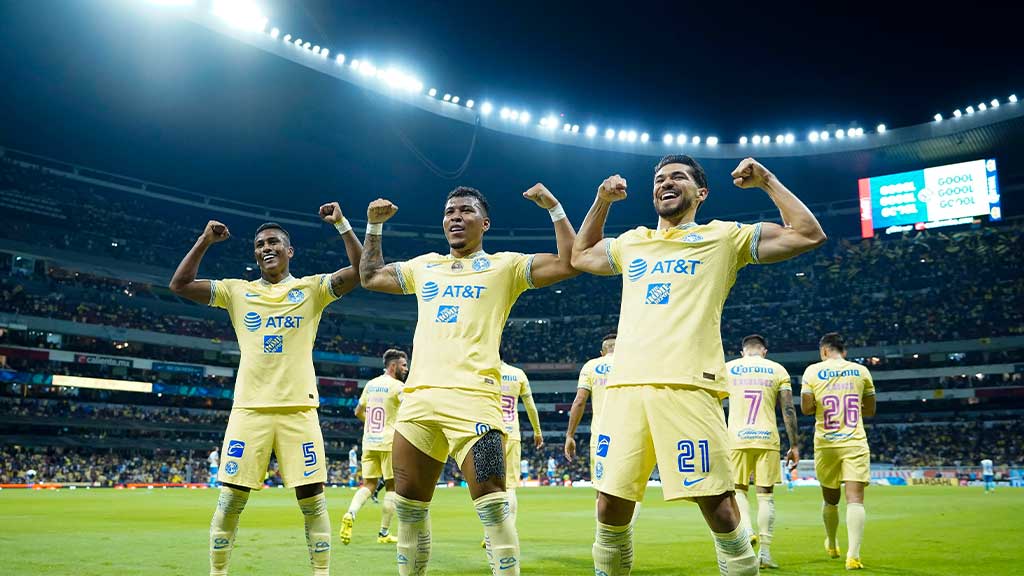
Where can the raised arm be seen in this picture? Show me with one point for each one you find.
(590, 250)
(548, 269)
(800, 230)
(345, 279)
(575, 415)
(373, 273)
(184, 282)
(789, 417)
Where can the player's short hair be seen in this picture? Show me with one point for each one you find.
(833, 340)
(609, 336)
(273, 226)
(467, 192)
(393, 354)
(753, 339)
(698, 171)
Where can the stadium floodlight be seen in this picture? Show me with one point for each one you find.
(505, 112)
(790, 138)
(743, 140)
(1012, 98)
(486, 108)
(470, 103)
(455, 99)
(712, 140)
(969, 110)
(240, 14)
(824, 135)
(325, 53)
(667, 139)
(355, 64)
(994, 103)
(307, 45)
(609, 134)
(957, 113)
(367, 69)
(766, 139)
(860, 131)
(173, 2)
(757, 139)
(695, 140)
(982, 107)
(566, 127)
(298, 42)
(680, 139)
(880, 129)
(591, 131)
(779, 138)
(287, 38)
(631, 135)
(938, 117)
(549, 122)
(812, 136)
(851, 132)
(840, 134)
(513, 115)
(316, 49)
(274, 33)
(645, 137)
(447, 97)
(432, 92)
(575, 128)
(622, 135)
(524, 117)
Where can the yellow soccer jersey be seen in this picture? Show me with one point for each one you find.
(275, 325)
(594, 378)
(513, 385)
(674, 284)
(381, 397)
(754, 385)
(463, 306)
(839, 387)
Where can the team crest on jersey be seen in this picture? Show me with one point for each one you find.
(430, 291)
(599, 470)
(447, 314)
(457, 266)
(693, 237)
(252, 321)
(295, 295)
(480, 264)
(658, 293)
(231, 468)
(273, 344)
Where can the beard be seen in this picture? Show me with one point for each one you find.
(685, 203)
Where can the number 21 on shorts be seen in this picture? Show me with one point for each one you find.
(687, 455)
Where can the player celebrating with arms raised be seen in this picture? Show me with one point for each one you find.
(663, 402)
(838, 392)
(275, 320)
(452, 399)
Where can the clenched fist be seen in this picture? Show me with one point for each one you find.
(541, 196)
(612, 189)
(380, 210)
(750, 174)
(331, 213)
(215, 232)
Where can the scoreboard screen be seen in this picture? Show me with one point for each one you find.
(929, 198)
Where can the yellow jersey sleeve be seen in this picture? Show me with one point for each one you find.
(613, 250)
(325, 291)
(221, 292)
(745, 239)
(522, 273)
(869, 383)
(407, 273)
(362, 396)
(806, 386)
(782, 377)
(586, 377)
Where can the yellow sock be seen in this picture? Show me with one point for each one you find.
(360, 498)
(744, 505)
(765, 520)
(830, 514)
(413, 536)
(613, 550)
(735, 554)
(318, 533)
(223, 527)
(855, 518)
(500, 535)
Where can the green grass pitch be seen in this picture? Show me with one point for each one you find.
(911, 530)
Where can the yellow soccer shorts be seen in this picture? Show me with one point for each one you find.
(513, 454)
(377, 464)
(761, 463)
(680, 428)
(833, 466)
(448, 421)
(292, 434)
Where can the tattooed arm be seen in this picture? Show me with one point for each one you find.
(373, 273)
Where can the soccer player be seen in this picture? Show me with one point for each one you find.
(378, 409)
(214, 461)
(592, 380)
(353, 466)
(552, 470)
(524, 470)
(663, 400)
(452, 400)
(988, 476)
(275, 400)
(839, 393)
(756, 386)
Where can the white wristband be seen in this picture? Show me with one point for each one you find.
(557, 212)
(342, 226)
(376, 228)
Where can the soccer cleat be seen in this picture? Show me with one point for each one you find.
(386, 539)
(832, 552)
(483, 543)
(347, 521)
(753, 540)
(766, 562)
(854, 564)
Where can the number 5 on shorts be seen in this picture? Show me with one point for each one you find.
(309, 453)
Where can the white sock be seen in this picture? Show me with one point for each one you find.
(613, 550)
(513, 503)
(223, 527)
(500, 537)
(413, 536)
(387, 510)
(318, 533)
(360, 498)
(735, 554)
(636, 513)
(765, 521)
(855, 518)
(744, 505)
(830, 514)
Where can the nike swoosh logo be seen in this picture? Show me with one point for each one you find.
(432, 265)
(311, 472)
(250, 295)
(687, 482)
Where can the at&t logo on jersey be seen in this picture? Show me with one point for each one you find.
(658, 293)
(603, 442)
(430, 291)
(295, 295)
(273, 344)
(447, 314)
(639, 267)
(252, 321)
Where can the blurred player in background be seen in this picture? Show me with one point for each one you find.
(663, 404)
(452, 401)
(839, 394)
(988, 475)
(353, 466)
(552, 470)
(275, 398)
(378, 409)
(214, 463)
(756, 386)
